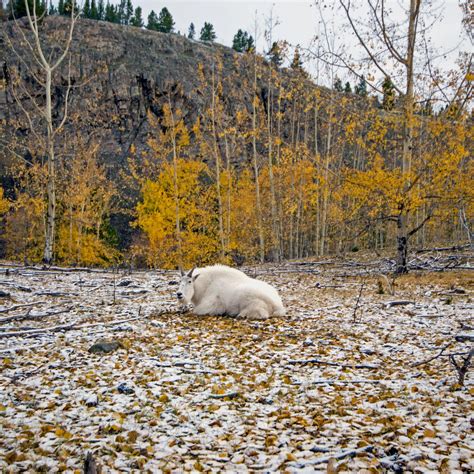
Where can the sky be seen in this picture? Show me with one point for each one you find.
(297, 20)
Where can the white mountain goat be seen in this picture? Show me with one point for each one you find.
(219, 290)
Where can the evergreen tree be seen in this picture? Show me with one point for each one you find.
(242, 41)
(128, 12)
(207, 32)
(275, 54)
(19, 8)
(191, 31)
(152, 21)
(361, 88)
(338, 85)
(297, 63)
(94, 12)
(165, 21)
(86, 9)
(348, 88)
(61, 7)
(68, 6)
(388, 89)
(137, 19)
(120, 11)
(52, 9)
(110, 13)
(101, 10)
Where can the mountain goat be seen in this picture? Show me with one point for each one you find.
(219, 290)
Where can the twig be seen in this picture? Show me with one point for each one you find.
(440, 353)
(389, 304)
(21, 317)
(18, 306)
(354, 314)
(345, 382)
(334, 364)
(462, 369)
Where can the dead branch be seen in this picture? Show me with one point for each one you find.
(325, 459)
(440, 354)
(462, 368)
(390, 304)
(27, 315)
(18, 306)
(333, 364)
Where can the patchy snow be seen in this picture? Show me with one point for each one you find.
(183, 393)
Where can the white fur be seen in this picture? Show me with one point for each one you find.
(218, 290)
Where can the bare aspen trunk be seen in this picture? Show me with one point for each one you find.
(407, 153)
(229, 190)
(258, 203)
(275, 244)
(51, 182)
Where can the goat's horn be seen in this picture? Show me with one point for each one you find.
(190, 274)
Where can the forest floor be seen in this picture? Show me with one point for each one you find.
(332, 387)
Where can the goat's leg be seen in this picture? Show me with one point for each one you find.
(255, 310)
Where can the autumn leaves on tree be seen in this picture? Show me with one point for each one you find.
(274, 168)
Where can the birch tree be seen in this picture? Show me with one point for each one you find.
(44, 64)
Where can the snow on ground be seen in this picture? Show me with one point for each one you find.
(187, 393)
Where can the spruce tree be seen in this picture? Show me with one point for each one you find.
(52, 9)
(338, 85)
(207, 32)
(348, 88)
(388, 89)
(128, 12)
(297, 63)
(165, 21)
(275, 54)
(101, 10)
(86, 9)
(191, 31)
(137, 19)
(94, 12)
(110, 13)
(152, 21)
(238, 42)
(19, 8)
(361, 88)
(61, 7)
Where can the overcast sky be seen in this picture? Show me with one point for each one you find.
(297, 19)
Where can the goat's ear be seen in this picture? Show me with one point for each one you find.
(195, 276)
(190, 274)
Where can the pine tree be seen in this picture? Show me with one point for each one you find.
(191, 31)
(338, 85)
(101, 10)
(52, 9)
(297, 63)
(137, 19)
(275, 54)
(94, 12)
(242, 41)
(152, 21)
(165, 21)
(61, 7)
(361, 88)
(207, 32)
(348, 88)
(128, 12)
(388, 89)
(110, 13)
(86, 9)
(19, 8)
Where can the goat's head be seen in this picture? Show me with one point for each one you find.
(185, 291)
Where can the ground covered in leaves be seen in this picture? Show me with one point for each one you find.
(179, 393)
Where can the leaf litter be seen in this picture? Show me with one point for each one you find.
(325, 388)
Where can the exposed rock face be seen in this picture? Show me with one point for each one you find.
(122, 73)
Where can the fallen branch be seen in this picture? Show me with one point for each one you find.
(389, 304)
(462, 368)
(18, 306)
(334, 364)
(325, 459)
(344, 382)
(427, 361)
(224, 395)
(27, 315)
